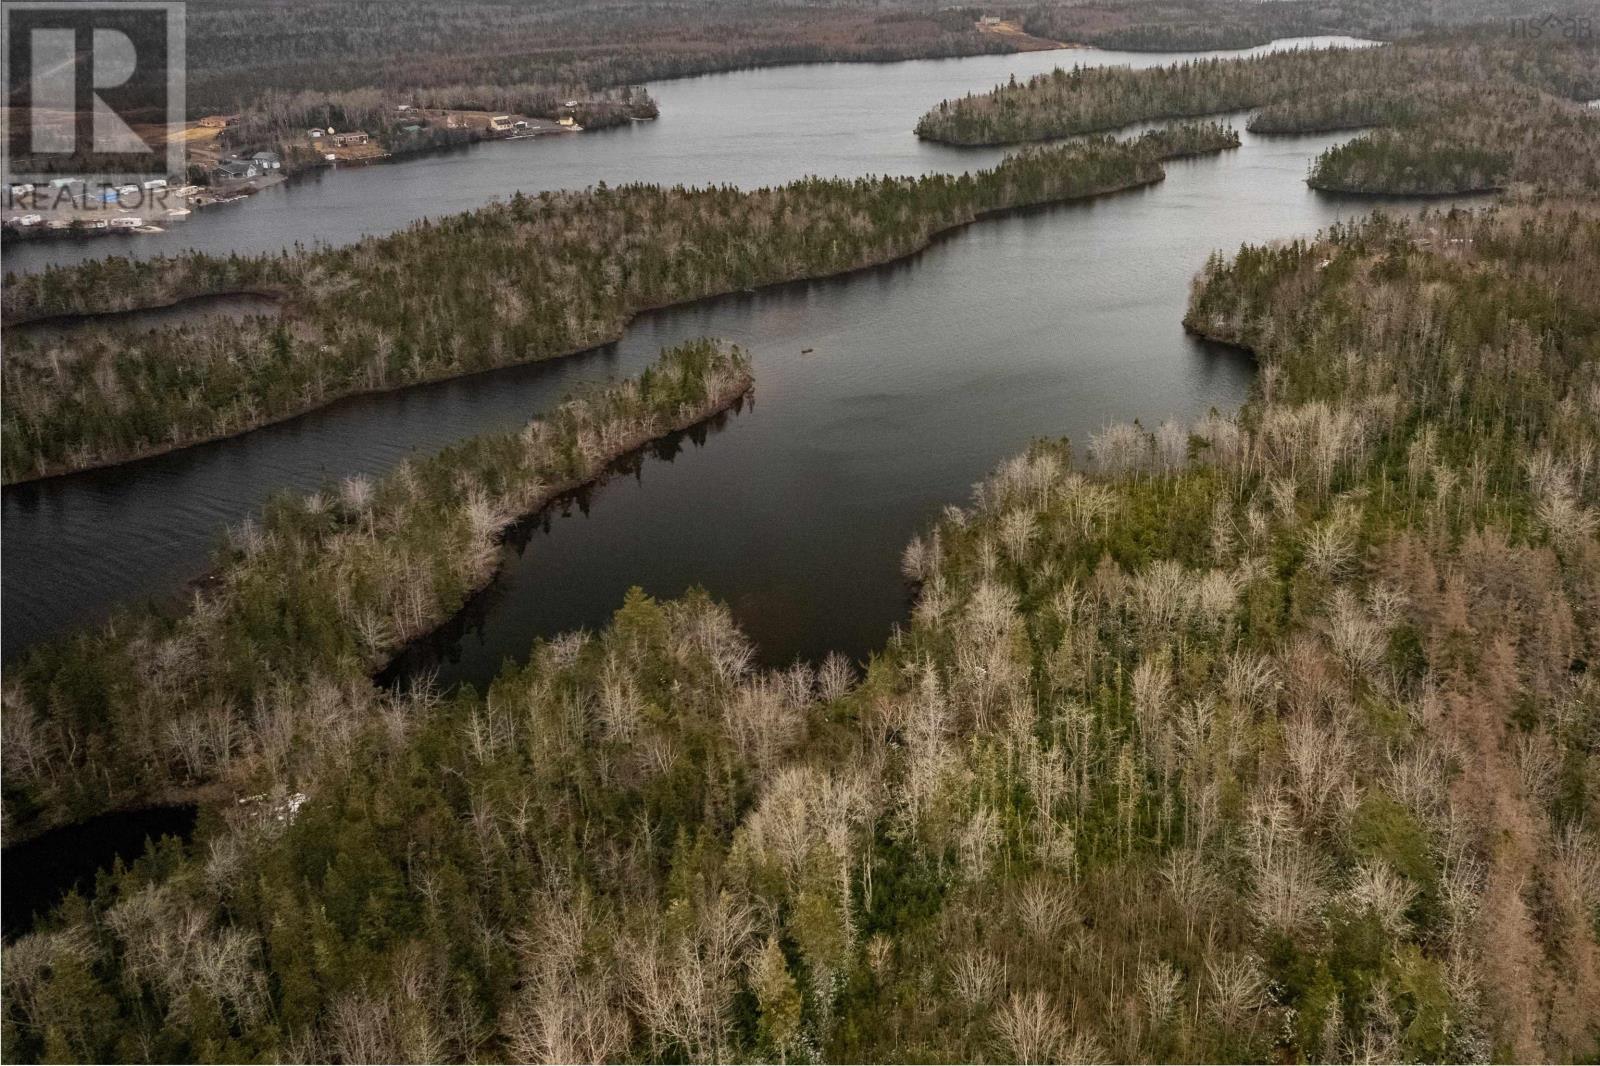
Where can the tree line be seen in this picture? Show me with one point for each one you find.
(242, 50)
(1471, 111)
(535, 277)
(1272, 736)
(1201, 25)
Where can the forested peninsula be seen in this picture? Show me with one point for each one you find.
(1267, 737)
(468, 293)
(307, 602)
(1467, 112)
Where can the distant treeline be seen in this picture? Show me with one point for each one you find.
(1467, 112)
(307, 602)
(529, 279)
(240, 50)
(1200, 25)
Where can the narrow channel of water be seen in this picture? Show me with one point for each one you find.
(196, 309)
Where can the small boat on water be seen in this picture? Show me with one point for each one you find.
(807, 351)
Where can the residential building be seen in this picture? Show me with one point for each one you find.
(237, 170)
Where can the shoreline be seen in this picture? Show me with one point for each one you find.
(1390, 194)
(84, 318)
(1106, 129)
(556, 494)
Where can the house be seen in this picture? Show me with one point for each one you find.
(237, 170)
(349, 139)
(500, 123)
(267, 161)
(315, 135)
(129, 222)
(219, 122)
(989, 20)
(569, 122)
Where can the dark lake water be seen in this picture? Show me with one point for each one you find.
(196, 309)
(40, 873)
(923, 374)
